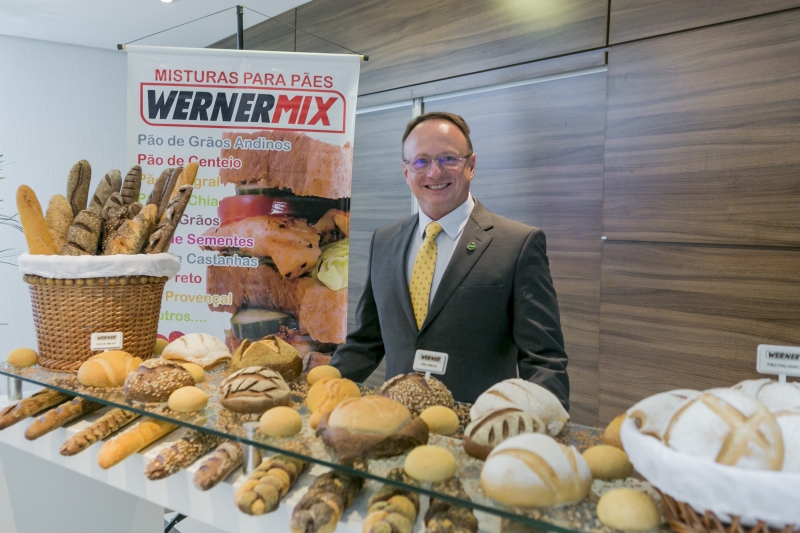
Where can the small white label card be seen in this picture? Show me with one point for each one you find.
(778, 360)
(106, 341)
(431, 362)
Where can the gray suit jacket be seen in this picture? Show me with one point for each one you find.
(494, 311)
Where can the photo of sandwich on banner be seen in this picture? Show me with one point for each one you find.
(291, 212)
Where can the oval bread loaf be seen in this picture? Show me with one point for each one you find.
(441, 420)
(107, 369)
(254, 390)
(482, 435)
(22, 357)
(430, 463)
(533, 470)
(608, 462)
(525, 396)
(628, 510)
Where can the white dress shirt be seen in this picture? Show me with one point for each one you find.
(453, 224)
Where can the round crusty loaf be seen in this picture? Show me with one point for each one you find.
(729, 427)
(280, 421)
(653, 414)
(533, 470)
(417, 392)
(482, 435)
(441, 420)
(525, 396)
(107, 369)
(254, 389)
(22, 357)
(370, 415)
(155, 379)
(430, 463)
(775, 396)
(326, 394)
(628, 510)
(201, 349)
(608, 462)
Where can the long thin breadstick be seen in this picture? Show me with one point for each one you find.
(132, 440)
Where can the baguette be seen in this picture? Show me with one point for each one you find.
(111, 183)
(186, 178)
(134, 209)
(44, 399)
(444, 516)
(83, 235)
(166, 194)
(59, 219)
(219, 465)
(131, 441)
(55, 418)
(321, 508)
(132, 234)
(114, 202)
(100, 429)
(33, 223)
(161, 238)
(268, 483)
(158, 189)
(392, 508)
(78, 186)
(181, 454)
(132, 185)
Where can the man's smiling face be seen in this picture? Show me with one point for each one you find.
(438, 190)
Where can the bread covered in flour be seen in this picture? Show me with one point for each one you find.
(775, 396)
(201, 349)
(534, 470)
(729, 427)
(653, 414)
(525, 396)
(789, 422)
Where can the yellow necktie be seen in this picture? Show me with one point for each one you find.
(422, 275)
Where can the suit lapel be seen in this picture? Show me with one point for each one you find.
(462, 260)
(399, 271)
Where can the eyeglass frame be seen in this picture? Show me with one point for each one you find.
(439, 160)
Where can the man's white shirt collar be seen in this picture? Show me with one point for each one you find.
(452, 223)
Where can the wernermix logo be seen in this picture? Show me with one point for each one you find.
(213, 106)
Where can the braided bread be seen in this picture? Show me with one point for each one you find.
(268, 483)
(322, 506)
(392, 509)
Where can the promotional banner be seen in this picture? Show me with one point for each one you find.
(263, 240)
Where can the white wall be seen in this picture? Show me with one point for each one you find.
(58, 104)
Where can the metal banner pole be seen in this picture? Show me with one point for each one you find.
(239, 28)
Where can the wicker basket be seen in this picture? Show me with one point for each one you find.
(683, 519)
(67, 311)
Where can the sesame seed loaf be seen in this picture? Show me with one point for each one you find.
(155, 379)
(416, 392)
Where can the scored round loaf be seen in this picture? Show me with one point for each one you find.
(534, 470)
(482, 435)
(653, 414)
(270, 352)
(201, 349)
(326, 394)
(775, 396)
(417, 392)
(254, 390)
(370, 415)
(155, 379)
(525, 396)
(107, 369)
(729, 427)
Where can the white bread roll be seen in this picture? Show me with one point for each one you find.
(775, 396)
(729, 427)
(199, 348)
(653, 414)
(789, 422)
(533, 470)
(525, 396)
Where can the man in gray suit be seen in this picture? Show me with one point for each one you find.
(480, 284)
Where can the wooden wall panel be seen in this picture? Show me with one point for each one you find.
(678, 316)
(540, 161)
(635, 19)
(379, 197)
(275, 34)
(702, 135)
(417, 41)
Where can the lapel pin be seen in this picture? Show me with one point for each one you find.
(471, 246)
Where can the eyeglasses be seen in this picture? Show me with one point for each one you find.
(446, 162)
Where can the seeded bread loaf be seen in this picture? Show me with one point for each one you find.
(155, 379)
(417, 392)
(180, 454)
(104, 426)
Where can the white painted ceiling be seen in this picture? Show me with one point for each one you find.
(104, 24)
